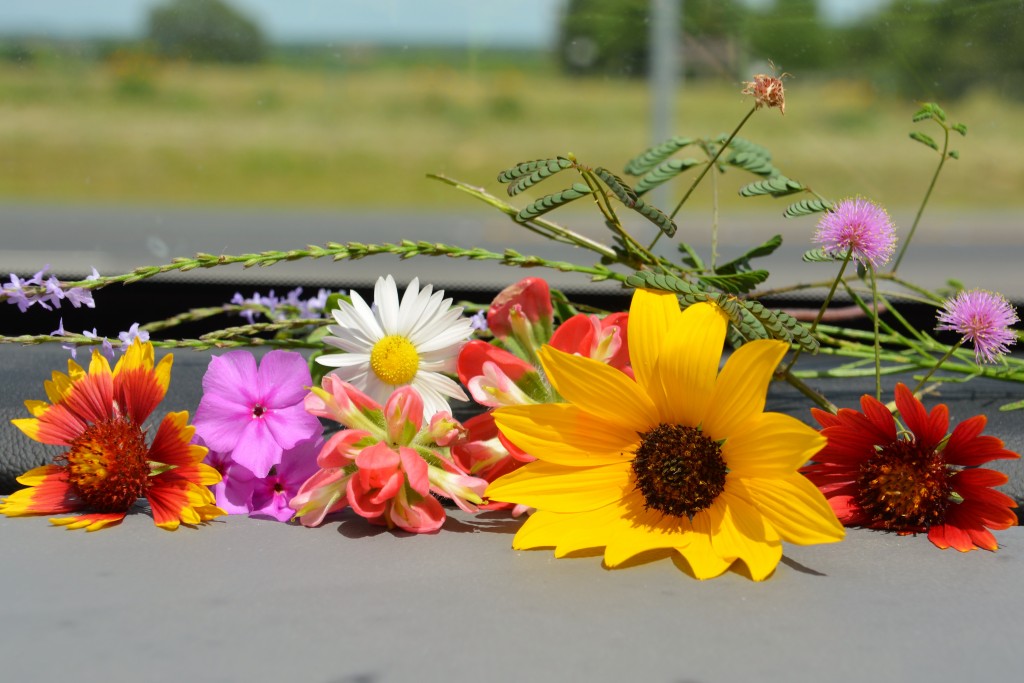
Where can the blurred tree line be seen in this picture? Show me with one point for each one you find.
(927, 49)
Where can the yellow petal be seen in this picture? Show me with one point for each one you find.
(566, 532)
(770, 444)
(794, 507)
(742, 386)
(644, 530)
(556, 488)
(651, 314)
(743, 534)
(599, 389)
(688, 363)
(564, 434)
(699, 554)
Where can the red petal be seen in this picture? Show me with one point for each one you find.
(966, 447)
(880, 418)
(928, 428)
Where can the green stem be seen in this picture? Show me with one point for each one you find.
(950, 352)
(924, 202)
(878, 343)
(807, 391)
(824, 305)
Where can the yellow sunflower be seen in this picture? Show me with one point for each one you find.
(684, 458)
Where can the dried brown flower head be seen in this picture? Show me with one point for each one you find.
(767, 91)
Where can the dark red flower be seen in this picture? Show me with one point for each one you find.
(913, 481)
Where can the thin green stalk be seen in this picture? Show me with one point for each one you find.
(924, 202)
(950, 352)
(878, 343)
(807, 391)
(824, 305)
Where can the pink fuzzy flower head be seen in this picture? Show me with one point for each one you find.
(859, 225)
(982, 317)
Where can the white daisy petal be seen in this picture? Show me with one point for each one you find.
(385, 295)
(338, 360)
(441, 384)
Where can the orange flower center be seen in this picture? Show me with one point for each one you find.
(904, 488)
(107, 465)
(679, 470)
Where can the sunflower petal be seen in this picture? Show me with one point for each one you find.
(645, 530)
(699, 553)
(770, 444)
(688, 363)
(599, 389)
(651, 314)
(743, 535)
(564, 434)
(742, 386)
(556, 488)
(794, 507)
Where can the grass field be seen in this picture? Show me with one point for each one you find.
(139, 132)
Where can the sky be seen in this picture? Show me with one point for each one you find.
(527, 23)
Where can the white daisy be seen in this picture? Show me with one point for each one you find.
(396, 344)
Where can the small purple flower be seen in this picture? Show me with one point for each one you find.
(131, 335)
(80, 296)
(859, 225)
(271, 494)
(255, 414)
(108, 348)
(982, 317)
(479, 321)
(15, 292)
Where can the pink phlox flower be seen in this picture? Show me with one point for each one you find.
(272, 494)
(234, 491)
(256, 412)
(603, 339)
(983, 317)
(860, 225)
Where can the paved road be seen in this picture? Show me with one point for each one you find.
(982, 250)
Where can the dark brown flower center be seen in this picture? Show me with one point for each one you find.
(107, 465)
(679, 470)
(904, 487)
(258, 410)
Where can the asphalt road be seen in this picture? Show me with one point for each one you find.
(980, 249)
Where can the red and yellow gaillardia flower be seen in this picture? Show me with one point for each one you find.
(98, 417)
(918, 480)
(684, 458)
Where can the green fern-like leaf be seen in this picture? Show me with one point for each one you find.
(551, 202)
(653, 156)
(961, 128)
(953, 154)
(743, 262)
(735, 283)
(781, 326)
(752, 162)
(656, 216)
(646, 279)
(776, 186)
(542, 172)
(924, 140)
(922, 114)
(623, 192)
(664, 172)
(805, 207)
(818, 255)
(528, 167)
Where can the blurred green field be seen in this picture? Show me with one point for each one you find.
(135, 131)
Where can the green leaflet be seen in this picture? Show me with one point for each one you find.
(805, 207)
(527, 167)
(645, 279)
(752, 162)
(619, 188)
(818, 255)
(664, 172)
(552, 201)
(735, 283)
(656, 216)
(653, 156)
(544, 169)
(743, 262)
(776, 186)
(924, 140)
(781, 325)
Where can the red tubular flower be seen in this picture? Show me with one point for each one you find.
(916, 482)
(529, 300)
(602, 339)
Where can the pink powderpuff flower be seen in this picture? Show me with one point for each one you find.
(256, 413)
(984, 318)
(385, 466)
(859, 225)
(271, 494)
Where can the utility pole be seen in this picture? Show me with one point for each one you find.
(665, 72)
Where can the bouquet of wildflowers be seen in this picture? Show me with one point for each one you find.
(617, 430)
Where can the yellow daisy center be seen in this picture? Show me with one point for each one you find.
(394, 360)
(107, 465)
(679, 470)
(904, 487)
